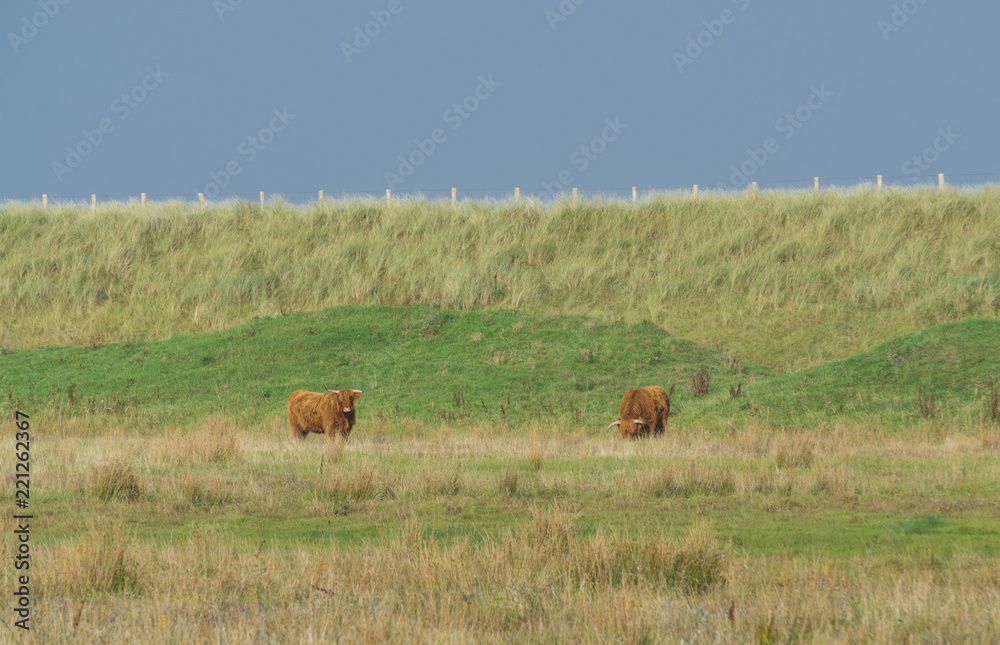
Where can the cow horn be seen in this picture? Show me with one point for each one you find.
(612, 424)
(639, 422)
(359, 391)
(332, 391)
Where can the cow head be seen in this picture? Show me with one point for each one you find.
(346, 399)
(628, 427)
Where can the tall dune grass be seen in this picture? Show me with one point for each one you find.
(784, 279)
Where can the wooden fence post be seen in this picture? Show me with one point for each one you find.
(754, 186)
(517, 195)
(941, 181)
(634, 196)
(696, 191)
(321, 198)
(454, 197)
(816, 185)
(143, 196)
(262, 200)
(574, 196)
(879, 184)
(45, 202)
(388, 196)
(201, 200)
(93, 203)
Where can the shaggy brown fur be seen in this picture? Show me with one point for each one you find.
(331, 413)
(649, 405)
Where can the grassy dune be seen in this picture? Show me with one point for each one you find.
(788, 280)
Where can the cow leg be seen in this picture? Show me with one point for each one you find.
(294, 430)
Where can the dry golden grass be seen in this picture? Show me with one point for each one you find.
(107, 560)
(116, 479)
(609, 541)
(793, 452)
(542, 584)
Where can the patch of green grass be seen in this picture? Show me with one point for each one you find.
(461, 368)
(881, 386)
(496, 368)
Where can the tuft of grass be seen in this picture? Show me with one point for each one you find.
(536, 458)
(198, 492)
(549, 530)
(116, 480)
(355, 484)
(837, 477)
(448, 484)
(766, 631)
(696, 478)
(510, 482)
(694, 565)
(700, 382)
(103, 562)
(925, 402)
(794, 451)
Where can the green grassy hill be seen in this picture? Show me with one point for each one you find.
(420, 363)
(786, 280)
(415, 362)
(958, 362)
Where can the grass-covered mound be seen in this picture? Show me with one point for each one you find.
(951, 371)
(412, 362)
(502, 367)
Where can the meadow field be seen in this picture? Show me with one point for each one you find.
(836, 479)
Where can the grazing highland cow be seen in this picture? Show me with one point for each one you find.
(643, 412)
(330, 412)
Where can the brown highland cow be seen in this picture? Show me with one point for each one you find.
(643, 412)
(331, 412)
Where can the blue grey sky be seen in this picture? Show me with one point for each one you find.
(231, 97)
